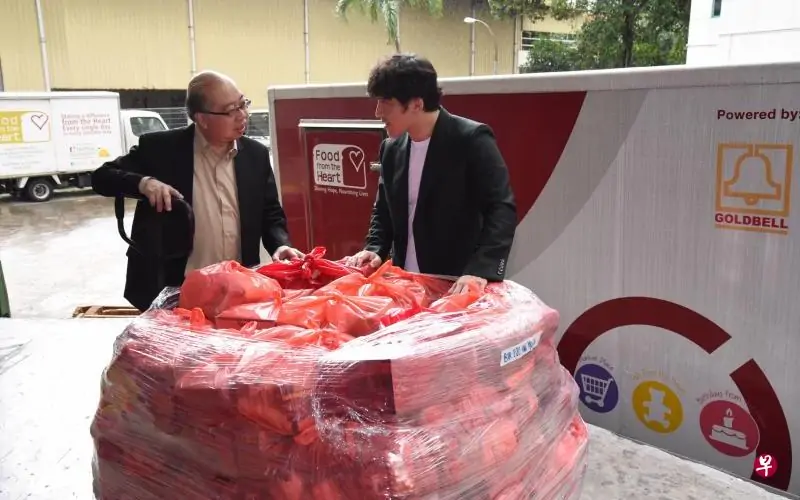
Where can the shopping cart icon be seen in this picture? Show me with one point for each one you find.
(595, 389)
(598, 389)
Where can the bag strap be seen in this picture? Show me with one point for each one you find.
(177, 204)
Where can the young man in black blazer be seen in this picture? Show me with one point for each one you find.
(444, 204)
(225, 177)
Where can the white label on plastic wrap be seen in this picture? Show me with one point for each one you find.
(520, 350)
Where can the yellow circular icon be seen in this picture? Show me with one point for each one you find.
(657, 407)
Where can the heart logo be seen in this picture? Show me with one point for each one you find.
(40, 120)
(357, 159)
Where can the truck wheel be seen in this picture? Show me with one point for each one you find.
(39, 190)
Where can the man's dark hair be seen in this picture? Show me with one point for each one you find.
(405, 77)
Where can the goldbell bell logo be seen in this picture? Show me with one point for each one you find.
(754, 183)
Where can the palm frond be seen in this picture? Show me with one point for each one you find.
(375, 7)
(391, 11)
(433, 7)
(345, 6)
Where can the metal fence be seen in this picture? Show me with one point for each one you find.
(174, 117)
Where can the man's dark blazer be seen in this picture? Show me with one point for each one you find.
(466, 214)
(169, 157)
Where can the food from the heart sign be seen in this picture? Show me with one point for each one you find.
(356, 157)
(339, 165)
(18, 127)
(39, 120)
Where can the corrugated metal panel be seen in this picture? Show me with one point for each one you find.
(19, 46)
(343, 50)
(256, 42)
(145, 44)
(117, 44)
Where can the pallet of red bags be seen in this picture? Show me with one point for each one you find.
(311, 380)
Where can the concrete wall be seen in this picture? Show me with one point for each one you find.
(746, 31)
(145, 44)
(257, 42)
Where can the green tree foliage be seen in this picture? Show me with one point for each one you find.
(509, 9)
(389, 12)
(551, 55)
(616, 33)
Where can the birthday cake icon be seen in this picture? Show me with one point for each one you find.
(726, 434)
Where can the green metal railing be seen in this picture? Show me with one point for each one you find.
(5, 309)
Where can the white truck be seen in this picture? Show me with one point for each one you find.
(258, 126)
(54, 140)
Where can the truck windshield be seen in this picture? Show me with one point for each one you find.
(258, 125)
(145, 124)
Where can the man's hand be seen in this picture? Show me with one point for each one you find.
(467, 284)
(159, 194)
(286, 252)
(363, 259)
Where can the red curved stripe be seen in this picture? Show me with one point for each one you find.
(762, 402)
(629, 311)
(766, 409)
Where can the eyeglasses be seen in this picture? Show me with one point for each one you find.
(243, 106)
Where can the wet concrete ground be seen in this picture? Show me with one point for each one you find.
(62, 254)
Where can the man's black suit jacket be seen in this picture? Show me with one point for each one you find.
(466, 214)
(169, 157)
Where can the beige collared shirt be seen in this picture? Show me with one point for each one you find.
(216, 206)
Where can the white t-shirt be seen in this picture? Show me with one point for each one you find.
(415, 163)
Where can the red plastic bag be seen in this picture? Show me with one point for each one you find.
(351, 315)
(458, 301)
(295, 336)
(470, 402)
(312, 271)
(406, 289)
(263, 314)
(221, 286)
(398, 314)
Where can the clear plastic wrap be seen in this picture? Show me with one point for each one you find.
(376, 387)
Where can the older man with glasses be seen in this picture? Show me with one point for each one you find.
(225, 177)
